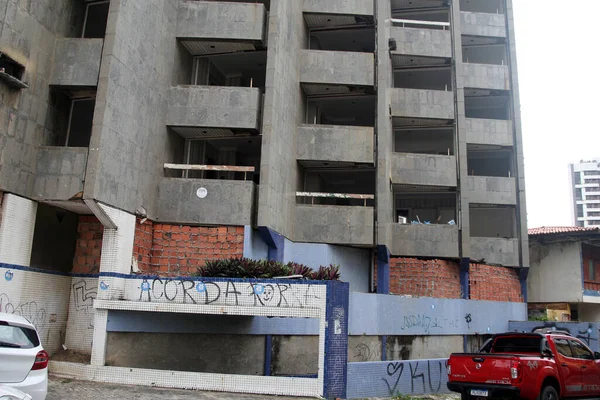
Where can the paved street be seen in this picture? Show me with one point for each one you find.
(64, 389)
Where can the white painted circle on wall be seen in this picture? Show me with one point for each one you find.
(201, 193)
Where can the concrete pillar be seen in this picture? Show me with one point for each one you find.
(460, 133)
(16, 230)
(336, 340)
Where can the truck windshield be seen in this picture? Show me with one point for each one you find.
(517, 344)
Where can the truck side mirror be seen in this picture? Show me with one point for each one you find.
(596, 355)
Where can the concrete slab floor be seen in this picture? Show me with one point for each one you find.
(66, 389)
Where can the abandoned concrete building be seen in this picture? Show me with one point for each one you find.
(140, 138)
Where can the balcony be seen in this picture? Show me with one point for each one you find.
(214, 107)
(347, 225)
(422, 104)
(485, 76)
(207, 201)
(420, 41)
(339, 7)
(60, 172)
(495, 251)
(421, 240)
(491, 190)
(423, 169)
(337, 68)
(482, 24)
(489, 131)
(211, 27)
(335, 143)
(76, 62)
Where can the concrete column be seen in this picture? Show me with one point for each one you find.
(460, 133)
(99, 341)
(336, 340)
(518, 139)
(16, 230)
(384, 144)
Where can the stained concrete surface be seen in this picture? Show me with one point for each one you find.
(64, 389)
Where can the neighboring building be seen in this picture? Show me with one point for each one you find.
(564, 277)
(584, 179)
(143, 137)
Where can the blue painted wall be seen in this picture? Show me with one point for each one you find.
(586, 331)
(390, 378)
(378, 314)
(254, 246)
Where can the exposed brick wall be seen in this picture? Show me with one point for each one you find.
(177, 250)
(487, 282)
(424, 278)
(89, 245)
(142, 244)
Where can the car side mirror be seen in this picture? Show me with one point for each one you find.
(547, 353)
(596, 355)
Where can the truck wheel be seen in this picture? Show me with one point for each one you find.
(548, 393)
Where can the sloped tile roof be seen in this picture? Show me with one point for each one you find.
(549, 230)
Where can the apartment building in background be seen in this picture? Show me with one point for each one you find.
(141, 138)
(584, 182)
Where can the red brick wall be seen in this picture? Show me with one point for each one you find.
(424, 278)
(177, 250)
(487, 282)
(89, 245)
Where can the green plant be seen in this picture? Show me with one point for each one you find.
(543, 318)
(247, 268)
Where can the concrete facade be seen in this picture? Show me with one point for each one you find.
(76, 62)
(335, 143)
(60, 172)
(337, 67)
(491, 190)
(489, 131)
(425, 240)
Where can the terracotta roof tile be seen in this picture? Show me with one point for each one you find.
(549, 230)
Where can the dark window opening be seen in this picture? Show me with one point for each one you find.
(475, 53)
(487, 104)
(337, 181)
(577, 178)
(425, 208)
(341, 110)
(71, 114)
(96, 18)
(424, 78)
(580, 210)
(54, 239)
(488, 6)
(343, 39)
(11, 67)
(578, 194)
(493, 222)
(490, 162)
(247, 69)
(80, 122)
(439, 141)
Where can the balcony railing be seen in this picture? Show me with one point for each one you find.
(335, 143)
(314, 195)
(221, 168)
(337, 67)
(417, 23)
(76, 62)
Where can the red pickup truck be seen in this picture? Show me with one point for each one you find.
(530, 366)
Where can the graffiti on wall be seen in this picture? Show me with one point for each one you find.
(388, 379)
(30, 310)
(428, 323)
(83, 298)
(228, 292)
(365, 351)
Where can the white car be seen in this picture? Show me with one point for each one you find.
(9, 393)
(23, 360)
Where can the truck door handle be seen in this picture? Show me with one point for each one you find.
(583, 367)
(563, 364)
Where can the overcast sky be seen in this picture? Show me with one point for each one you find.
(558, 47)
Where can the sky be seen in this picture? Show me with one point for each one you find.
(558, 54)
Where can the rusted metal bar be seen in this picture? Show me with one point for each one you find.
(192, 167)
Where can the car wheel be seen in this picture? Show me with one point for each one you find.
(549, 393)
(465, 396)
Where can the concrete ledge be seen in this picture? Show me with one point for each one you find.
(422, 42)
(76, 62)
(489, 131)
(424, 169)
(221, 20)
(491, 190)
(227, 202)
(334, 224)
(484, 76)
(337, 67)
(415, 103)
(215, 107)
(496, 251)
(335, 143)
(424, 240)
(60, 172)
(341, 7)
(482, 24)
(282, 386)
